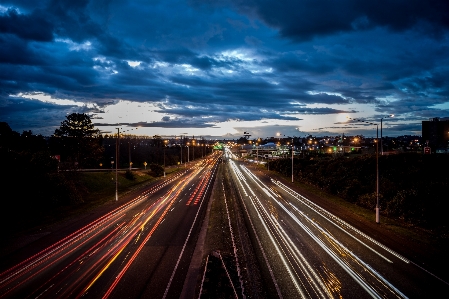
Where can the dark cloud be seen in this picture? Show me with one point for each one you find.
(42, 118)
(291, 62)
(303, 20)
(219, 113)
(14, 105)
(176, 123)
(34, 26)
(210, 62)
(410, 127)
(16, 51)
(321, 111)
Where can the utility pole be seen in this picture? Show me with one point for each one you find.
(257, 155)
(377, 172)
(129, 152)
(164, 156)
(292, 160)
(117, 146)
(381, 146)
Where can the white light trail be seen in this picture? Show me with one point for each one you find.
(336, 250)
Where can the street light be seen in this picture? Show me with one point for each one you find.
(377, 171)
(257, 153)
(165, 144)
(180, 143)
(279, 141)
(292, 160)
(182, 135)
(377, 166)
(117, 146)
(117, 143)
(381, 147)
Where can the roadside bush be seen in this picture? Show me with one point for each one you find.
(129, 175)
(156, 170)
(412, 187)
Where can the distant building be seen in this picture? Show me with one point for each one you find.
(435, 134)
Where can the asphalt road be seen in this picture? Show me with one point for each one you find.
(143, 247)
(140, 249)
(307, 252)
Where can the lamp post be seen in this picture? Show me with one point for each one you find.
(381, 147)
(188, 153)
(257, 152)
(377, 167)
(292, 160)
(377, 174)
(129, 153)
(180, 143)
(202, 148)
(165, 143)
(117, 144)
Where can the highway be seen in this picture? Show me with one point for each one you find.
(307, 252)
(141, 249)
(144, 246)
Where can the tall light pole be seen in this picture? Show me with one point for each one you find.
(257, 153)
(381, 147)
(129, 153)
(180, 143)
(202, 148)
(188, 153)
(165, 143)
(377, 172)
(292, 160)
(117, 144)
(377, 166)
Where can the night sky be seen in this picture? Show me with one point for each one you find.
(220, 68)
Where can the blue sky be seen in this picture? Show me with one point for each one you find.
(220, 68)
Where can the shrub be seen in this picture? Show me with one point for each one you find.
(156, 170)
(129, 175)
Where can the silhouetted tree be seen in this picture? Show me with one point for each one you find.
(8, 137)
(78, 140)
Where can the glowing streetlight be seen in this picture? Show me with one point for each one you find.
(117, 143)
(257, 152)
(292, 160)
(165, 144)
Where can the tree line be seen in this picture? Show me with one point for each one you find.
(40, 172)
(412, 187)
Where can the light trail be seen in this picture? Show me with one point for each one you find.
(259, 242)
(121, 235)
(185, 242)
(333, 219)
(171, 198)
(290, 254)
(16, 271)
(326, 215)
(261, 216)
